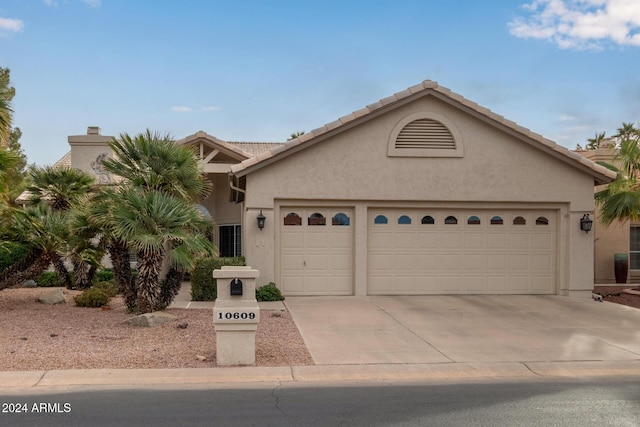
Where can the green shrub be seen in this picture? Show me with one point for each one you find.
(104, 275)
(10, 253)
(48, 279)
(269, 292)
(203, 285)
(92, 297)
(109, 287)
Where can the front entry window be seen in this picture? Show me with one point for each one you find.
(230, 240)
(634, 249)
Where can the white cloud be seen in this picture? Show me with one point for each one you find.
(580, 24)
(181, 109)
(93, 3)
(50, 3)
(211, 108)
(567, 118)
(12, 25)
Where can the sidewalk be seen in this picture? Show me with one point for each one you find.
(314, 374)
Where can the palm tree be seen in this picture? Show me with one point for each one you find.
(45, 233)
(62, 189)
(153, 213)
(6, 113)
(620, 201)
(155, 162)
(595, 142)
(7, 161)
(159, 227)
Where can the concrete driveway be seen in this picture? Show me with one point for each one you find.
(464, 329)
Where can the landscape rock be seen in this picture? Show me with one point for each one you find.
(183, 325)
(55, 296)
(201, 358)
(30, 284)
(151, 319)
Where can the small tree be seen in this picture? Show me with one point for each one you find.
(620, 201)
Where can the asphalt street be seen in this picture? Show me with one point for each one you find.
(550, 402)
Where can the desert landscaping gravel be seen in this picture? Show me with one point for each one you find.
(35, 336)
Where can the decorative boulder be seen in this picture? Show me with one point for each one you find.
(30, 284)
(55, 296)
(151, 319)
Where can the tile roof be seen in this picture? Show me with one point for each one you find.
(601, 174)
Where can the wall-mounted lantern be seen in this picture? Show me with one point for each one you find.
(260, 219)
(586, 223)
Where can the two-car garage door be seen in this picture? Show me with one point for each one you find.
(461, 252)
(419, 251)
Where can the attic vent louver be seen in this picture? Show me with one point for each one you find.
(425, 134)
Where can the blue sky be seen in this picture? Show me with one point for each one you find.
(260, 70)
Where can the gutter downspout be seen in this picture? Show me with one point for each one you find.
(234, 187)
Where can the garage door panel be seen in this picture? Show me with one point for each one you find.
(340, 262)
(404, 240)
(519, 240)
(541, 262)
(292, 261)
(496, 284)
(496, 241)
(497, 262)
(519, 262)
(380, 240)
(316, 259)
(317, 240)
(475, 240)
(428, 262)
(293, 240)
(541, 284)
(451, 240)
(451, 261)
(474, 284)
(506, 253)
(542, 241)
(474, 262)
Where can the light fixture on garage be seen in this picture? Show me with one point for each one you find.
(586, 223)
(260, 219)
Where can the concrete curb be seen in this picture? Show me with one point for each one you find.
(325, 373)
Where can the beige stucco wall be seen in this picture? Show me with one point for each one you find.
(611, 239)
(353, 169)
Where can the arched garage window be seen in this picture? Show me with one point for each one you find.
(381, 219)
(340, 219)
(404, 219)
(519, 221)
(451, 220)
(497, 220)
(316, 219)
(292, 219)
(542, 221)
(428, 219)
(473, 220)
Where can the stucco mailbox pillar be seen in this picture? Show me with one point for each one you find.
(236, 315)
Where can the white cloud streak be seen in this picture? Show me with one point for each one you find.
(93, 3)
(580, 24)
(211, 108)
(11, 25)
(181, 109)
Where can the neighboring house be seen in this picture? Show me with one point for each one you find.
(619, 237)
(424, 192)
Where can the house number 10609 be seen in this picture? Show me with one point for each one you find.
(236, 315)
